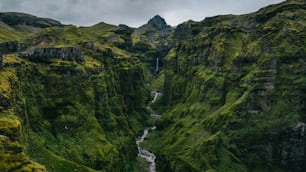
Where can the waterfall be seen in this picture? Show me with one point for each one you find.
(157, 65)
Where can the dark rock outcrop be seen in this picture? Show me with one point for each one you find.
(124, 30)
(15, 19)
(293, 148)
(124, 33)
(158, 22)
(185, 29)
(287, 148)
(12, 46)
(45, 54)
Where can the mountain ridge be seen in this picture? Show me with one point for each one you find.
(19, 20)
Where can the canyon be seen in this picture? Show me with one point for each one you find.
(223, 94)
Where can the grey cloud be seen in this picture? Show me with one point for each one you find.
(130, 12)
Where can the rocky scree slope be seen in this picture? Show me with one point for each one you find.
(235, 93)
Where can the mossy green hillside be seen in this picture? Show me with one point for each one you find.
(74, 115)
(74, 98)
(234, 91)
(12, 152)
(78, 118)
(7, 33)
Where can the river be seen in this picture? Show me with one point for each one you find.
(143, 153)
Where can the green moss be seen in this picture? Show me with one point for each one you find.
(77, 116)
(228, 82)
(225, 87)
(76, 125)
(7, 76)
(158, 82)
(11, 152)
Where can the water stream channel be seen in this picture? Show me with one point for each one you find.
(143, 153)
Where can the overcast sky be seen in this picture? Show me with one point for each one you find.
(131, 12)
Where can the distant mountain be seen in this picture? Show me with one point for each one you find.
(154, 33)
(25, 21)
(158, 22)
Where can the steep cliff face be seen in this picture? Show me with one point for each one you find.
(12, 154)
(235, 88)
(12, 46)
(70, 102)
(74, 98)
(46, 54)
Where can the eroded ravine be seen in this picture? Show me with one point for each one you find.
(143, 153)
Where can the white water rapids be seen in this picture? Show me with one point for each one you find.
(143, 153)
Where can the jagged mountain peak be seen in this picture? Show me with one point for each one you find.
(158, 22)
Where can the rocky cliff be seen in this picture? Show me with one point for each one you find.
(234, 88)
(12, 46)
(74, 98)
(45, 54)
(70, 102)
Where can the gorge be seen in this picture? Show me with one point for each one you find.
(229, 94)
(143, 153)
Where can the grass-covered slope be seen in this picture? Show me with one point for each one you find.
(73, 98)
(8, 34)
(235, 92)
(70, 101)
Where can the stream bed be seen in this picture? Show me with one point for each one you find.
(143, 153)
